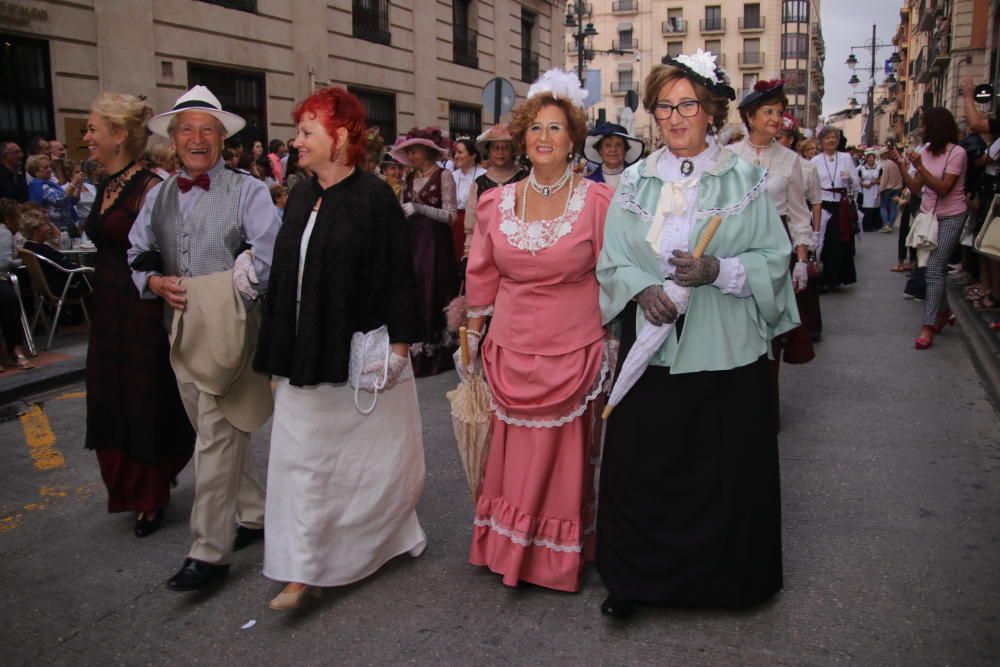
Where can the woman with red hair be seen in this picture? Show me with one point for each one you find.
(342, 486)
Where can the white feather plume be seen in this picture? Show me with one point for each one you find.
(562, 85)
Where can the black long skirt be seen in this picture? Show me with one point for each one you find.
(689, 511)
(838, 255)
(437, 285)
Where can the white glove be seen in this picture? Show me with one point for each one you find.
(465, 372)
(437, 214)
(800, 276)
(398, 365)
(409, 209)
(817, 243)
(244, 277)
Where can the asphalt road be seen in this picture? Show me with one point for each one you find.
(891, 489)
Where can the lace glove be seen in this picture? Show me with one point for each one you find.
(800, 276)
(694, 271)
(438, 214)
(396, 372)
(398, 365)
(465, 372)
(656, 305)
(244, 277)
(409, 209)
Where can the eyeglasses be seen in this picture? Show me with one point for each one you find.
(687, 108)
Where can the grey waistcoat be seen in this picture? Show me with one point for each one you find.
(211, 236)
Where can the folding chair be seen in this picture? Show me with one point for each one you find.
(29, 340)
(44, 294)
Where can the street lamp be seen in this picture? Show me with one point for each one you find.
(871, 47)
(577, 13)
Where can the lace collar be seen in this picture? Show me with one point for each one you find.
(539, 234)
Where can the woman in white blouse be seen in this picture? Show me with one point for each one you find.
(762, 110)
(869, 175)
(466, 170)
(837, 177)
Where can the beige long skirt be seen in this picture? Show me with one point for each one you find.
(342, 487)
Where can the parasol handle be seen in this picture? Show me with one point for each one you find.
(706, 238)
(699, 250)
(463, 339)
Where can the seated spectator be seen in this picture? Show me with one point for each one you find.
(38, 233)
(55, 201)
(279, 195)
(93, 172)
(10, 314)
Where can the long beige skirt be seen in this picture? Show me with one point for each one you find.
(342, 487)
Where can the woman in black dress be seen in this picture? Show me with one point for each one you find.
(135, 419)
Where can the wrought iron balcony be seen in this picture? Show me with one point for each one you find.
(752, 59)
(625, 45)
(712, 25)
(751, 23)
(622, 87)
(622, 6)
(674, 27)
(465, 47)
(370, 20)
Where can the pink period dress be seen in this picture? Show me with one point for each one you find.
(546, 361)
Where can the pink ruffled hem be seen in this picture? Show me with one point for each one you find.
(544, 551)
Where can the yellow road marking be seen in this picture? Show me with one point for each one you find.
(71, 394)
(41, 440)
(9, 522)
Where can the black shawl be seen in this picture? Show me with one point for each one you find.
(358, 276)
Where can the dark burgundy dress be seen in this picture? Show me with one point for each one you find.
(437, 279)
(135, 419)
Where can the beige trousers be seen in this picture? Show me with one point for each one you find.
(227, 491)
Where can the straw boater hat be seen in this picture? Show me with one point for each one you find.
(634, 145)
(428, 137)
(499, 132)
(201, 99)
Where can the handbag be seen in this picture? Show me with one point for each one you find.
(988, 240)
(369, 349)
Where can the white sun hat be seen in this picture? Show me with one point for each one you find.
(201, 99)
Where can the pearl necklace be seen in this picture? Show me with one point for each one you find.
(552, 188)
(608, 172)
(760, 148)
(524, 196)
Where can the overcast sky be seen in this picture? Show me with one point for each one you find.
(848, 23)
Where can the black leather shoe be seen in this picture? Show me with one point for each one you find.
(196, 575)
(246, 536)
(616, 607)
(145, 527)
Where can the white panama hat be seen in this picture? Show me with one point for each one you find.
(201, 99)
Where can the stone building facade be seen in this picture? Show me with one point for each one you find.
(941, 42)
(766, 39)
(412, 62)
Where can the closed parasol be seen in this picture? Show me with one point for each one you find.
(472, 419)
(649, 340)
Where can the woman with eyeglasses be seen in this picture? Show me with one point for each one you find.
(689, 509)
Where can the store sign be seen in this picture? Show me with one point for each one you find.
(11, 12)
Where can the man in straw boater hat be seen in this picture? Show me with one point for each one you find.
(203, 242)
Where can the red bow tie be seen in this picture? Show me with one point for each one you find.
(203, 181)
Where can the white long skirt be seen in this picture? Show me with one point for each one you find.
(342, 487)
